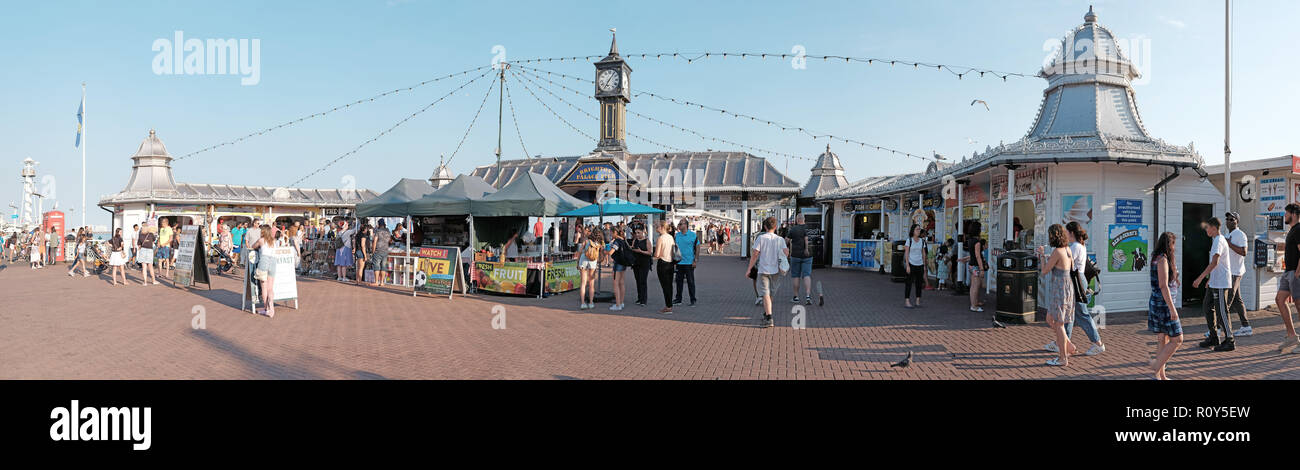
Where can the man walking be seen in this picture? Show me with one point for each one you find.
(766, 258)
(800, 259)
(1237, 267)
(1220, 283)
(52, 247)
(1288, 282)
(688, 244)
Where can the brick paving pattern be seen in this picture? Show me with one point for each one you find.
(56, 327)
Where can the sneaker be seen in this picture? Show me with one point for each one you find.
(1051, 347)
(1244, 331)
(1095, 350)
(977, 309)
(677, 301)
(767, 322)
(613, 308)
(692, 303)
(1288, 345)
(795, 299)
(807, 300)
(1228, 345)
(1209, 343)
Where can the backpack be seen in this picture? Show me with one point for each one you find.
(592, 252)
(624, 254)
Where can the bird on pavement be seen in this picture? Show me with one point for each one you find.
(985, 103)
(998, 324)
(821, 297)
(907, 361)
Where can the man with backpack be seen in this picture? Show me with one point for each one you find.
(800, 259)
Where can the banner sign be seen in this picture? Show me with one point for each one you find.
(562, 276)
(191, 258)
(1127, 248)
(285, 285)
(502, 277)
(1128, 211)
(593, 173)
(438, 270)
(858, 254)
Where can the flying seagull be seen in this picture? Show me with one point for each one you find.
(971, 141)
(986, 105)
(907, 361)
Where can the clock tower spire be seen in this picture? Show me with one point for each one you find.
(614, 93)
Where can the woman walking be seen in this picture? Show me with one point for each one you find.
(117, 257)
(79, 252)
(1059, 292)
(915, 255)
(664, 264)
(588, 262)
(145, 256)
(1076, 235)
(976, 266)
(621, 254)
(1162, 315)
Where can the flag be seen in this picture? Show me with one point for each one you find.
(80, 108)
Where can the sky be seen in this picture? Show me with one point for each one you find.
(315, 56)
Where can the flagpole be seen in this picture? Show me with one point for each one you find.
(83, 154)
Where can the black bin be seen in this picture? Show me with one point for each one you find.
(897, 271)
(1017, 278)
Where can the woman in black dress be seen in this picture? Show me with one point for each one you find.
(641, 269)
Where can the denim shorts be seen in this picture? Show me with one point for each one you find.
(800, 267)
(618, 268)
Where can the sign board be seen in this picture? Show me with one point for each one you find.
(562, 276)
(1295, 165)
(191, 258)
(593, 173)
(285, 282)
(1128, 211)
(1273, 193)
(858, 254)
(438, 271)
(502, 277)
(1126, 248)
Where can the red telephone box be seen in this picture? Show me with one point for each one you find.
(54, 219)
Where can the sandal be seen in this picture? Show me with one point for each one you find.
(1055, 361)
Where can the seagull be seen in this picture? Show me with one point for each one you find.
(907, 361)
(986, 105)
(998, 324)
(821, 298)
(971, 141)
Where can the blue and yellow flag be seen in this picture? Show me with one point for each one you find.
(80, 108)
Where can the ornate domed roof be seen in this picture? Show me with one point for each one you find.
(827, 175)
(152, 172)
(152, 146)
(441, 176)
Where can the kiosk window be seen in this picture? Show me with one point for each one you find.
(864, 225)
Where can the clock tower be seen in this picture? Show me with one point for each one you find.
(613, 92)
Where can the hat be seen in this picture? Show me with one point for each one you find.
(1231, 215)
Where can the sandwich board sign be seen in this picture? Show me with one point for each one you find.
(438, 271)
(191, 258)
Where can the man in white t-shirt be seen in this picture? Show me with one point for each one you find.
(129, 238)
(1220, 283)
(766, 258)
(1237, 266)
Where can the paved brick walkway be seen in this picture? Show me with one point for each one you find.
(53, 326)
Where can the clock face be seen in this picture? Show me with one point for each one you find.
(607, 80)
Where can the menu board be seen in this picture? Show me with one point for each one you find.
(1273, 193)
(438, 270)
(191, 265)
(858, 253)
(284, 282)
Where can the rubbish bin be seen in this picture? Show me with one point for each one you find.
(898, 271)
(1017, 297)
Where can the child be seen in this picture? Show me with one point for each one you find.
(942, 261)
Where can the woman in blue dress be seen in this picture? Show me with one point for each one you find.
(1162, 315)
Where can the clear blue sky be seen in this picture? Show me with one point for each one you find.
(320, 54)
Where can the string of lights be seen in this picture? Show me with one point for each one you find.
(674, 126)
(557, 115)
(593, 116)
(515, 118)
(472, 121)
(771, 123)
(331, 110)
(959, 71)
(390, 129)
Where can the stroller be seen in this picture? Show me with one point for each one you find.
(222, 259)
(95, 260)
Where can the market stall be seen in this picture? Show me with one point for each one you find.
(399, 268)
(501, 218)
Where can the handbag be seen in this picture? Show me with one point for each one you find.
(1079, 293)
(677, 254)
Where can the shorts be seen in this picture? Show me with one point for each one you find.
(585, 263)
(618, 268)
(1287, 283)
(145, 256)
(766, 282)
(800, 267)
(165, 253)
(973, 273)
(1170, 328)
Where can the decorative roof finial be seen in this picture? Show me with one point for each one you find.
(613, 43)
(1090, 17)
